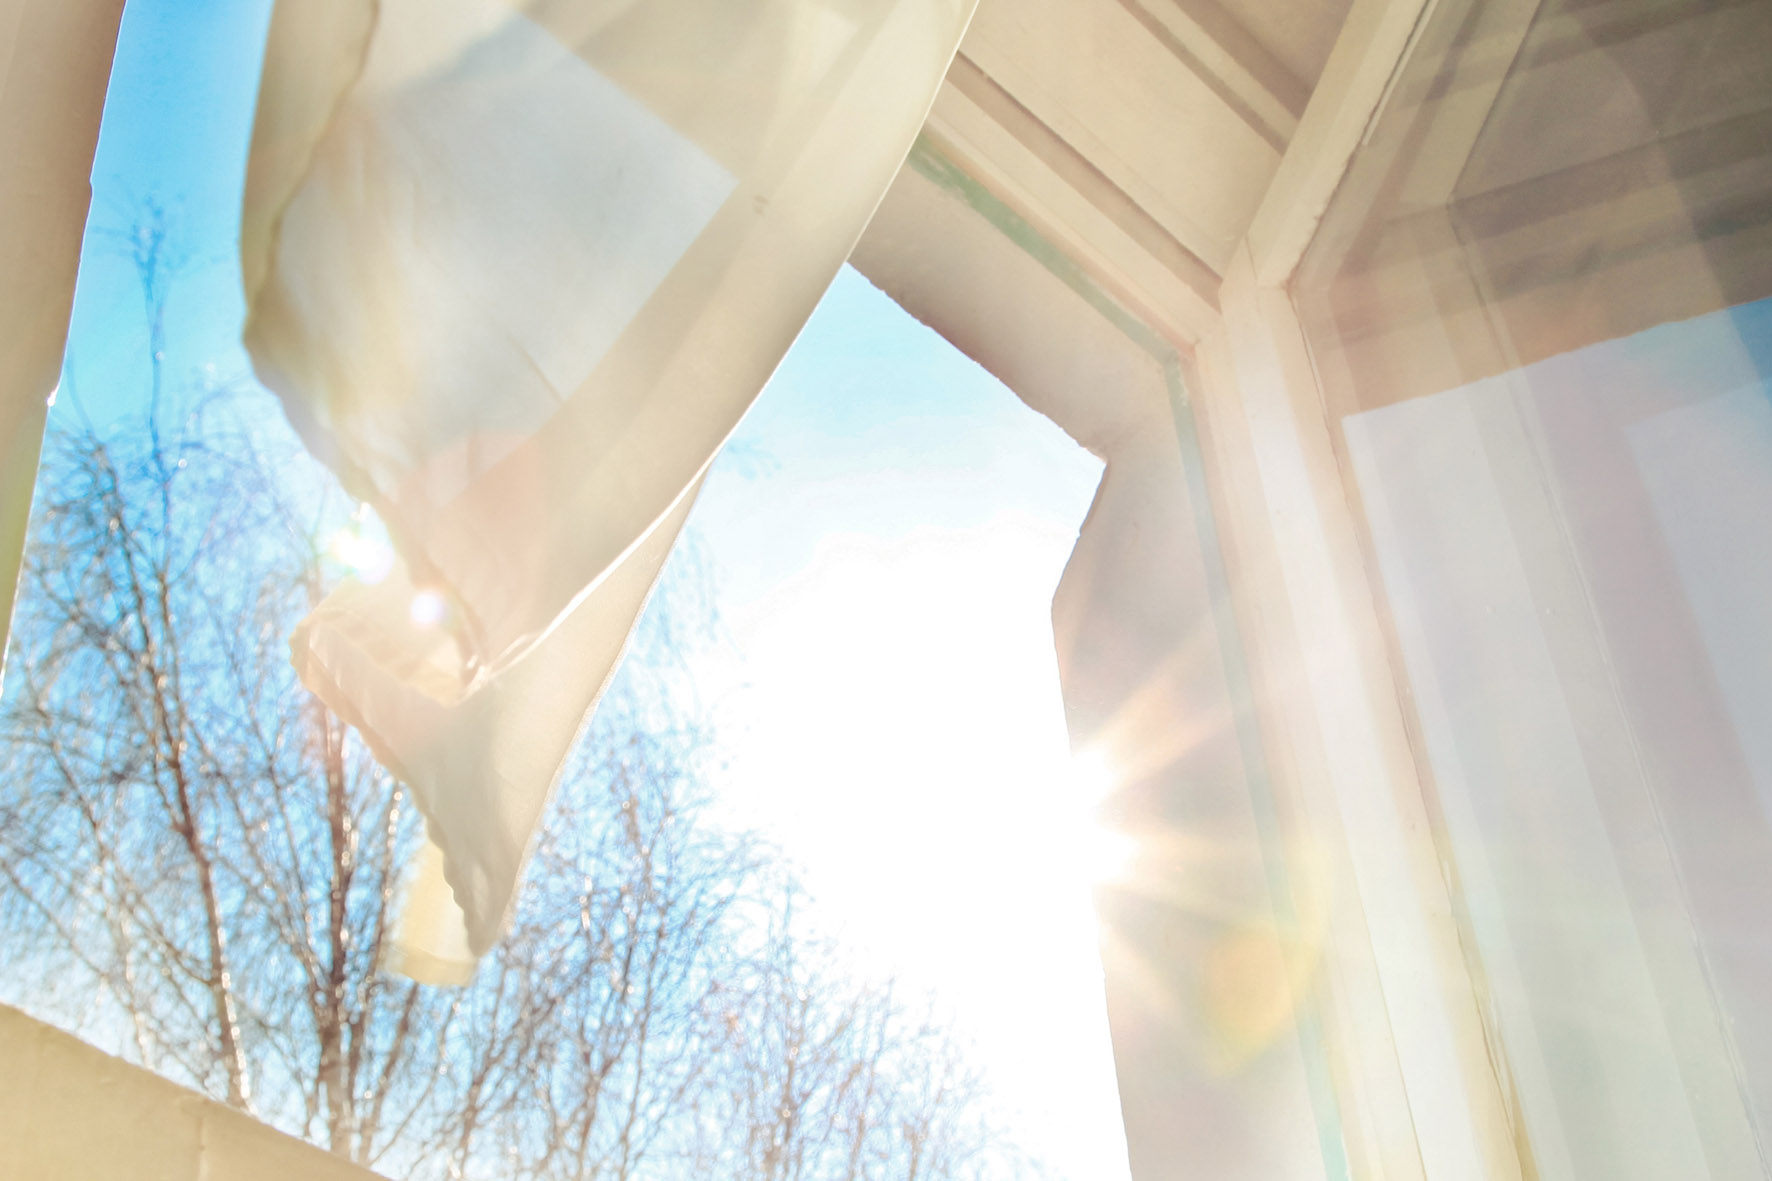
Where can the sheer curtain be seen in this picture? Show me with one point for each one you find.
(516, 268)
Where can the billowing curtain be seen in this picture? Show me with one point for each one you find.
(516, 268)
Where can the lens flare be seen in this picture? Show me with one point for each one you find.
(428, 608)
(367, 559)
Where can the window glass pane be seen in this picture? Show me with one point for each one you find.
(1539, 310)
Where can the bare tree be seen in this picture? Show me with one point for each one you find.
(199, 866)
(837, 1077)
(198, 835)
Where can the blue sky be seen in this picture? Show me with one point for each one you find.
(177, 121)
(884, 539)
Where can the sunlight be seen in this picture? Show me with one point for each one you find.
(907, 745)
(1101, 853)
(891, 706)
(1093, 776)
(1104, 855)
(368, 559)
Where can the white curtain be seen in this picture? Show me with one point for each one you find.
(516, 268)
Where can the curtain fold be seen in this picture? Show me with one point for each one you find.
(516, 270)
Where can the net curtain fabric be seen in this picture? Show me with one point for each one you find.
(516, 268)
